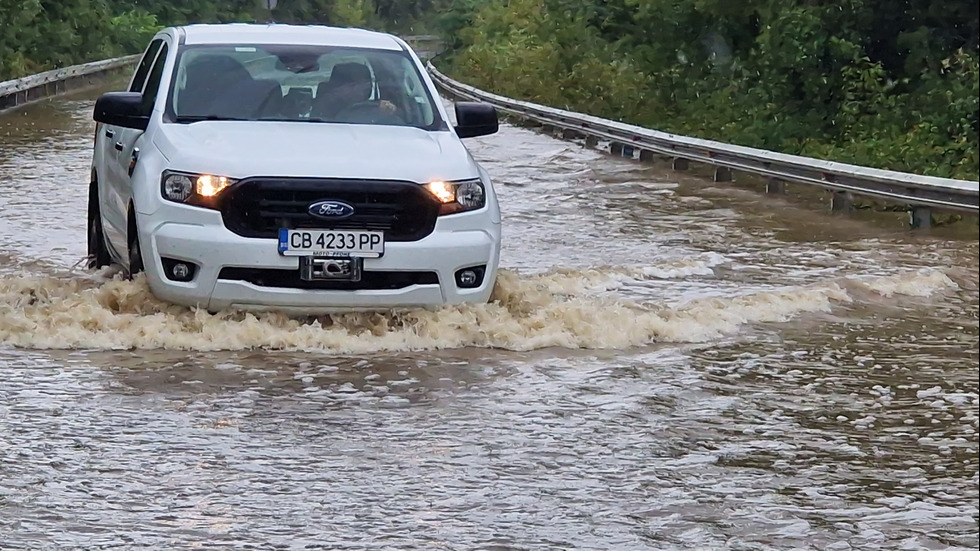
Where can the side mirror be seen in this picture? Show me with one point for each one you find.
(121, 109)
(475, 119)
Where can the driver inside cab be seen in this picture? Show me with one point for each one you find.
(346, 96)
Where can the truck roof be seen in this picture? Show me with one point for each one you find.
(277, 33)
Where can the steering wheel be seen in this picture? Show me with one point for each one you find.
(368, 112)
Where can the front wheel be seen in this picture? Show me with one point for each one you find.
(135, 250)
(98, 253)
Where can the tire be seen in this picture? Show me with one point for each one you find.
(98, 253)
(135, 250)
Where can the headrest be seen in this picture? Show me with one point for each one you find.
(344, 73)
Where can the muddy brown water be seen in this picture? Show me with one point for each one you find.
(668, 363)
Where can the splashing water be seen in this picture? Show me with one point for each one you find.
(558, 308)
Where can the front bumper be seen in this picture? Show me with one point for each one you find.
(200, 237)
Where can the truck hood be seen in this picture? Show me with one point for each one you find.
(240, 149)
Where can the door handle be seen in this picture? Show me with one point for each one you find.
(119, 146)
(133, 160)
(109, 133)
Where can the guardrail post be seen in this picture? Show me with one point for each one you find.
(616, 148)
(591, 141)
(680, 163)
(920, 217)
(723, 174)
(841, 201)
(775, 185)
(570, 134)
(646, 155)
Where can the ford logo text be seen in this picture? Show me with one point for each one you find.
(330, 210)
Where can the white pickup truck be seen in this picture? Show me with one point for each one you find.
(304, 169)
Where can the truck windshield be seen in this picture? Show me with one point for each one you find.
(299, 83)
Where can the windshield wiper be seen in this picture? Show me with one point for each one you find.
(197, 118)
(289, 119)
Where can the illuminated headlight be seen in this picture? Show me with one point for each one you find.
(458, 196)
(196, 189)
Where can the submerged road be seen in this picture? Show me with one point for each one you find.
(669, 363)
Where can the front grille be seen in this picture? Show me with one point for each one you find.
(269, 277)
(259, 207)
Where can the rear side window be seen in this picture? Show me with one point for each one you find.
(153, 82)
(143, 69)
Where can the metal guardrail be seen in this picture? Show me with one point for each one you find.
(30, 88)
(911, 189)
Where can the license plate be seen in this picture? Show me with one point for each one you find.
(331, 243)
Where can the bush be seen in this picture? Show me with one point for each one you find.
(133, 30)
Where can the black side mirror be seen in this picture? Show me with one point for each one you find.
(121, 109)
(475, 119)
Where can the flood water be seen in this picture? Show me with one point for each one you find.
(667, 363)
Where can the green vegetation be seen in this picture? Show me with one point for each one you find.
(885, 83)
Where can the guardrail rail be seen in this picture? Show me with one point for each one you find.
(921, 194)
(49, 83)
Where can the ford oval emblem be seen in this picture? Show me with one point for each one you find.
(330, 210)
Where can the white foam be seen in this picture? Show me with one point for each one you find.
(527, 312)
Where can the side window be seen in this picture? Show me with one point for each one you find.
(153, 82)
(143, 68)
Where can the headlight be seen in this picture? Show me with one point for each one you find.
(194, 189)
(458, 196)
